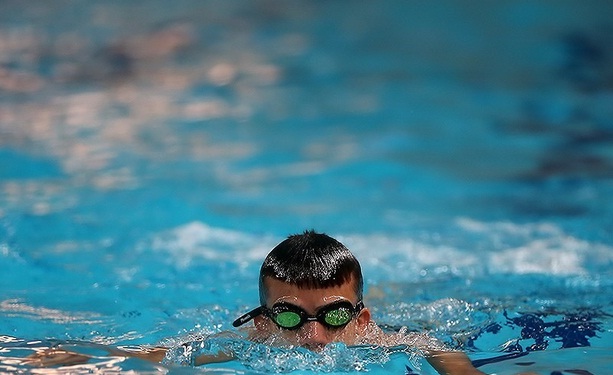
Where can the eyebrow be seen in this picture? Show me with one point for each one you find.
(286, 299)
(317, 308)
(337, 299)
(291, 299)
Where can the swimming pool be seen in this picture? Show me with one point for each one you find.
(151, 155)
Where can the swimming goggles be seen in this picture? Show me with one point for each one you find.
(287, 316)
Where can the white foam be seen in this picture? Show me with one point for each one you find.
(390, 254)
(197, 240)
(503, 247)
(539, 256)
(537, 248)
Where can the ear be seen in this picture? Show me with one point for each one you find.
(363, 318)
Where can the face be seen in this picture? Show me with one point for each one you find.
(312, 334)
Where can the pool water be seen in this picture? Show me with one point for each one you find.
(152, 153)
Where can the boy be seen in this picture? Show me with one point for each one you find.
(311, 294)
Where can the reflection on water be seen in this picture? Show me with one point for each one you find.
(18, 308)
(69, 357)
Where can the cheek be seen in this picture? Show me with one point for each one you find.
(267, 327)
(263, 325)
(348, 335)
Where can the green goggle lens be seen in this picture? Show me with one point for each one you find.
(335, 315)
(288, 319)
(338, 317)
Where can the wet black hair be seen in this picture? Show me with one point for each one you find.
(311, 260)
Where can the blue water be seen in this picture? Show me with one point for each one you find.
(152, 153)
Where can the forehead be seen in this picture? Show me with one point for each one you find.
(277, 290)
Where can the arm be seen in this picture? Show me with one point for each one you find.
(157, 355)
(452, 363)
(456, 363)
(203, 359)
(55, 357)
(62, 357)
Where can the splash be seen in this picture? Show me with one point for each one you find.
(262, 357)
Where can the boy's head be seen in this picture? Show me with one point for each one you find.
(311, 261)
(310, 293)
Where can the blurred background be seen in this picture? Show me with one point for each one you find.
(250, 112)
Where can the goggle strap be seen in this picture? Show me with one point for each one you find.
(248, 316)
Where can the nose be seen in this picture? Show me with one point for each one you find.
(313, 335)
